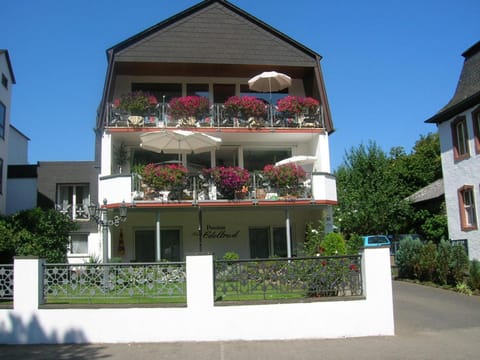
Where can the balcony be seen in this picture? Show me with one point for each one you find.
(317, 188)
(218, 117)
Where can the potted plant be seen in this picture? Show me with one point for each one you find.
(189, 109)
(294, 105)
(229, 180)
(285, 178)
(164, 178)
(136, 105)
(248, 108)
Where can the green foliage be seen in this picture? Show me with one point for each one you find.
(333, 244)
(459, 264)
(313, 238)
(444, 258)
(372, 187)
(474, 275)
(354, 243)
(463, 288)
(370, 195)
(427, 262)
(37, 232)
(230, 255)
(408, 258)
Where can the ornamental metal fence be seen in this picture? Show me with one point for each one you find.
(6, 282)
(294, 278)
(125, 282)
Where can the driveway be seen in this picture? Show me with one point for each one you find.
(430, 324)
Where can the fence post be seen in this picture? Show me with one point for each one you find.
(27, 283)
(200, 281)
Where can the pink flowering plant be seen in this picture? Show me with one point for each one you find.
(228, 179)
(286, 176)
(296, 105)
(136, 103)
(245, 107)
(189, 106)
(164, 177)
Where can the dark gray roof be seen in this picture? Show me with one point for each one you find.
(467, 93)
(3, 51)
(429, 192)
(234, 29)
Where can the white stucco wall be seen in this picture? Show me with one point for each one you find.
(201, 320)
(457, 174)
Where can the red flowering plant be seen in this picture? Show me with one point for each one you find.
(228, 179)
(189, 106)
(164, 177)
(136, 103)
(293, 105)
(288, 176)
(245, 107)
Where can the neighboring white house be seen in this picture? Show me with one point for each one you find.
(7, 79)
(459, 128)
(212, 49)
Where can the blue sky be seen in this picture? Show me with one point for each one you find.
(388, 65)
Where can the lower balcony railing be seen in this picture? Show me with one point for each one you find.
(217, 117)
(118, 188)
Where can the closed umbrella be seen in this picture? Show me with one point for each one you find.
(297, 160)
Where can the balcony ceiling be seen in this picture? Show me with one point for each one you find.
(212, 70)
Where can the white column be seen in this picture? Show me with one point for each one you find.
(287, 229)
(158, 243)
(27, 283)
(200, 282)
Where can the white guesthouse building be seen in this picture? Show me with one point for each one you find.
(211, 50)
(459, 128)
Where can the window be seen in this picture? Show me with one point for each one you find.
(271, 98)
(3, 115)
(197, 90)
(256, 159)
(460, 139)
(266, 242)
(476, 128)
(73, 199)
(78, 243)
(4, 81)
(466, 199)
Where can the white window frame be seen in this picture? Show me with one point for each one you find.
(75, 208)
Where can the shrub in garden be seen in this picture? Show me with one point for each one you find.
(427, 261)
(230, 255)
(459, 264)
(444, 258)
(474, 275)
(408, 258)
(333, 244)
(313, 238)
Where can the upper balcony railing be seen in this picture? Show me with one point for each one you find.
(217, 117)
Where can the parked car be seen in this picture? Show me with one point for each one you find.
(375, 240)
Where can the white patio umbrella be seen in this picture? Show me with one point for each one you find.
(298, 160)
(269, 81)
(179, 141)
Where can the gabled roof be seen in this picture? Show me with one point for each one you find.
(177, 19)
(9, 64)
(429, 192)
(467, 93)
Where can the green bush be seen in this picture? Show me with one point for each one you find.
(474, 275)
(408, 258)
(427, 261)
(230, 255)
(459, 264)
(444, 258)
(333, 244)
(354, 243)
(313, 238)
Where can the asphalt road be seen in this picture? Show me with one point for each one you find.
(430, 324)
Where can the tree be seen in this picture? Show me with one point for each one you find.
(37, 232)
(370, 195)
